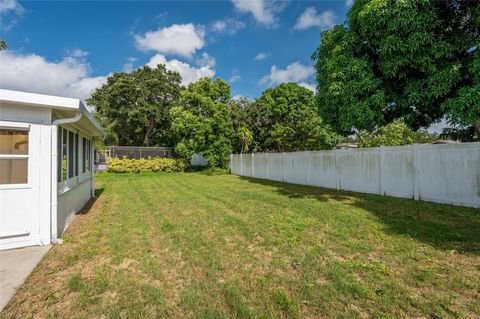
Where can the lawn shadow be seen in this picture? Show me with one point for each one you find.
(442, 226)
(86, 209)
(302, 191)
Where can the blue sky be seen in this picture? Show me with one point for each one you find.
(68, 48)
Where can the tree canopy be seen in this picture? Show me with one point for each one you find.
(284, 119)
(414, 60)
(134, 107)
(201, 121)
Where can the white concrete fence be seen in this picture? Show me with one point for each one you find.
(437, 173)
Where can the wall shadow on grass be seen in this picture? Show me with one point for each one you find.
(86, 209)
(442, 226)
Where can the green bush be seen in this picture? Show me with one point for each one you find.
(143, 165)
(215, 171)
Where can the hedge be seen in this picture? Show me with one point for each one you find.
(143, 165)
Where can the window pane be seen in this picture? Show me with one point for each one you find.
(13, 142)
(76, 154)
(13, 171)
(70, 154)
(64, 154)
(59, 155)
(88, 156)
(84, 153)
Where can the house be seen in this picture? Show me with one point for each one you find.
(46, 166)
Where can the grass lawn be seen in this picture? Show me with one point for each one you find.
(188, 245)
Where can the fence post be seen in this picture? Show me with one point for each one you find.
(416, 184)
(241, 164)
(381, 168)
(283, 166)
(231, 164)
(253, 164)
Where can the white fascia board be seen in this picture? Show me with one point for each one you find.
(40, 100)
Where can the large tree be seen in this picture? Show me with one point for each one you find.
(400, 59)
(201, 121)
(134, 107)
(284, 119)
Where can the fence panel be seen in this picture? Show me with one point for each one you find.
(438, 173)
(398, 172)
(322, 169)
(448, 174)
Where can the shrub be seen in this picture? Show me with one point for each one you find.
(215, 171)
(143, 165)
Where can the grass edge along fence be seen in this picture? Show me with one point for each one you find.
(448, 174)
(144, 165)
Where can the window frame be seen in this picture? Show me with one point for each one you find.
(78, 175)
(19, 127)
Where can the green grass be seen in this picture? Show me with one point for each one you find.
(191, 245)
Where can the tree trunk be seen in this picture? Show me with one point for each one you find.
(476, 125)
(151, 127)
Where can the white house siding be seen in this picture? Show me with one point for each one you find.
(25, 209)
(437, 173)
(39, 210)
(71, 202)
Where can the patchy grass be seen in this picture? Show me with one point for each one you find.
(190, 245)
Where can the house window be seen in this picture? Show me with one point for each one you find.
(68, 154)
(13, 156)
(64, 154)
(85, 152)
(77, 157)
(59, 154)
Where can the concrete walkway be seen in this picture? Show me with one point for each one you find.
(15, 266)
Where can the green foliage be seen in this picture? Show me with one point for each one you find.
(423, 136)
(215, 171)
(134, 107)
(349, 92)
(393, 134)
(142, 165)
(245, 138)
(400, 59)
(3, 45)
(202, 123)
(284, 119)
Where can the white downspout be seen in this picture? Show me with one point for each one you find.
(54, 176)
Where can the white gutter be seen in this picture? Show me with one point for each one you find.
(53, 174)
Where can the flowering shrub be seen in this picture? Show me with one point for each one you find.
(143, 165)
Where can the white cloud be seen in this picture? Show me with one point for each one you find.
(310, 18)
(10, 10)
(78, 53)
(262, 10)
(295, 72)
(261, 56)
(33, 73)
(178, 39)
(7, 6)
(189, 73)
(129, 65)
(234, 78)
(228, 26)
(348, 3)
(206, 60)
(311, 87)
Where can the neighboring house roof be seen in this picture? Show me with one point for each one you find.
(64, 107)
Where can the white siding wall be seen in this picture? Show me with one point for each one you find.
(70, 203)
(438, 173)
(25, 209)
